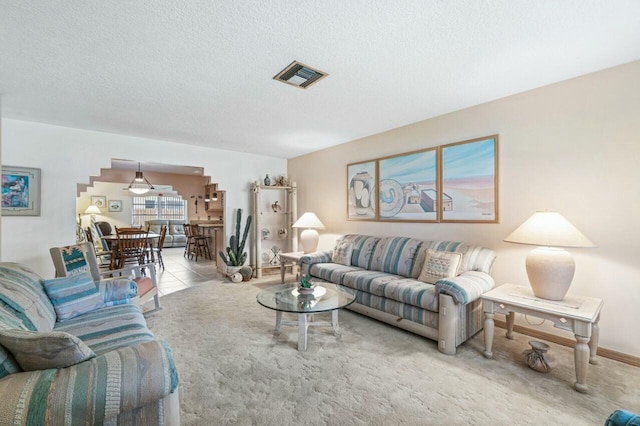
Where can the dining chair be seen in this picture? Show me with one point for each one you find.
(155, 250)
(74, 259)
(132, 247)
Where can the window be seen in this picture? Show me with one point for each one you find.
(149, 207)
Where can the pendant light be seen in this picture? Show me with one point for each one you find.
(140, 185)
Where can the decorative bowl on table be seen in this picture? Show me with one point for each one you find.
(306, 290)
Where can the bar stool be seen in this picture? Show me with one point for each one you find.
(201, 242)
(189, 248)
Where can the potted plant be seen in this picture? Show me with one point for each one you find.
(246, 272)
(235, 255)
(306, 286)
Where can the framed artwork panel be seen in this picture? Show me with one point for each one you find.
(361, 190)
(20, 191)
(469, 184)
(408, 187)
(115, 205)
(100, 201)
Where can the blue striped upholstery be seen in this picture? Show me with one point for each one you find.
(384, 272)
(401, 289)
(466, 287)
(332, 272)
(395, 255)
(401, 310)
(93, 391)
(73, 295)
(363, 248)
(117, 291)
(127, 383)
(106, 329)
(22, 293)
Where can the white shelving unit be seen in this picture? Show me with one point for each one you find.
(273, 231)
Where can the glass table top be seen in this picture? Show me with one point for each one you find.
(325, 297)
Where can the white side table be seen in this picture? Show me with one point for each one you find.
(291, 258)
(577, 314)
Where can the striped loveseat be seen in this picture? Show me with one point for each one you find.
(109, 368)
(385, 272)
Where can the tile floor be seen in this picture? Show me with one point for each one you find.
(180, 273)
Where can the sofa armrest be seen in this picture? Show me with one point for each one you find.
(317, 257)
(307, 260)
(467, 286)
(91, 391)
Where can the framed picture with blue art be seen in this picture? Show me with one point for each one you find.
(408, 187)
(20, 191)
(361, 192)
(470, 181)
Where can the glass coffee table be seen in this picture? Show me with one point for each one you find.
(326, 297)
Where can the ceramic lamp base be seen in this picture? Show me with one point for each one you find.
(550, 271)
(309, 240)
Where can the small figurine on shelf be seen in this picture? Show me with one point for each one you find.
(276, 207)
(267, 181)
(281, 181)
(282, 233)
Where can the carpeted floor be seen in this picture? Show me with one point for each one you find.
(233, 370)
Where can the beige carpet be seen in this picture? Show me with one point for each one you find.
(233, 370)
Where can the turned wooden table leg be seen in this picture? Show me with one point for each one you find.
(593, 343)
(581, 357)
(511, 317)
(488, 334)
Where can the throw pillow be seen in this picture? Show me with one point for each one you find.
(342, 253)
(35, 350)
(74, 260)
(439, 264)
(73, 296)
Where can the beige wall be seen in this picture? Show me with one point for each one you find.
(573, 147)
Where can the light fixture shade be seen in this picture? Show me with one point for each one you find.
(308, 220)
(550, 268)
(548, 229)
(92, 209)
(140, 185)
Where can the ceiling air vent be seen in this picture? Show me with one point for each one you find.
(300, 75)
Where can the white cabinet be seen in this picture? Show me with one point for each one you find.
(274, 212)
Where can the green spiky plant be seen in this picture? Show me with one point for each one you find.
(305, 282)
(235, 254)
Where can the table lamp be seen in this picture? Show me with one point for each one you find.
(550, 268)
(309, 237)
(93, 210)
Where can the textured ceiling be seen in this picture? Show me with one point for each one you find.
(200, 71)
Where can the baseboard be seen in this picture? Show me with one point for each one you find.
(603, 352)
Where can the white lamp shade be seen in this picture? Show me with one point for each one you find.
(549, 229)
(308, 220)
(550, 268)
(309, 237)
(92, 209)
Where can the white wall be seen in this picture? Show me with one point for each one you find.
(573, 147)
(69, 156)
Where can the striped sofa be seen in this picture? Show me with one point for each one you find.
(128, 377)
(384, 272)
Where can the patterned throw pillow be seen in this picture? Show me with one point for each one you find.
(73, 296)
(35, 350)
(74, 261)
(342, 253)
(439, 264)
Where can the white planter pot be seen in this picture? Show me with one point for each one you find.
(230, 270)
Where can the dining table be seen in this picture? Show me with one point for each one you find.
(112, 242)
